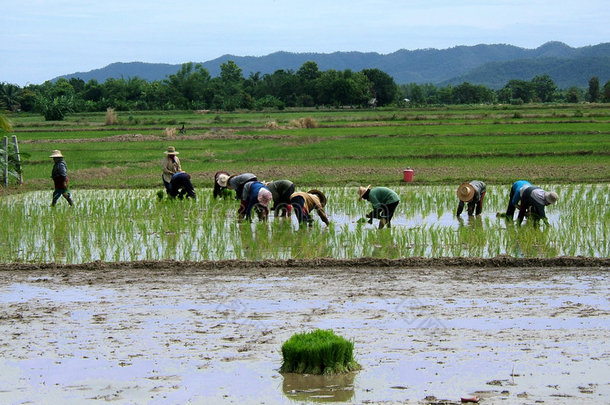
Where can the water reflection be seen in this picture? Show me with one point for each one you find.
(318, 388)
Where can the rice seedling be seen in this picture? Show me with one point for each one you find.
(318, 352)
(133, 224)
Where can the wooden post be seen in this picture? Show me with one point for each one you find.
(17, 160)
(5, 171)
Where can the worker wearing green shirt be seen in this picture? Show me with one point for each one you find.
(384, 203)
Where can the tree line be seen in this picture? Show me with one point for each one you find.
(192, 87)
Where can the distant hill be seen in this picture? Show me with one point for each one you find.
(490, 65)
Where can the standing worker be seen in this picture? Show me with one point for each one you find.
(59, 174)
(384, 203)
(281, 191)
(303, 203)
(471, 193)
(171, 166)
(515, 196)
(535, 199)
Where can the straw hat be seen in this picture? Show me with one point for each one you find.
(222, 179)
(320, 196)
(264, 197)
(551, 198)
(465, 192)
(171, 151)
(362, 191)
(56, 153)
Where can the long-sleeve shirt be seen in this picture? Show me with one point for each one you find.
(250, 194)
(237, 183)
(281, 190)
(532, 198)
(60, 169)
(380, 196)
(170, 167)
(517, 190)
(312, 202)
(480, 188)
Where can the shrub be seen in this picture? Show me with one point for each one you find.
(318, 352)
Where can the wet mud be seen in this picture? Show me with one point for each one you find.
(425, 330)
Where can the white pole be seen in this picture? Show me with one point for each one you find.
(5, 144)
(18, 159)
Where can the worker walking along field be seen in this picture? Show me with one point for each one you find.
(384, 202)
(59, 174)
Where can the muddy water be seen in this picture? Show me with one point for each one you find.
(182, 334)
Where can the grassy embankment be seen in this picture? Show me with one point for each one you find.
(499, 144)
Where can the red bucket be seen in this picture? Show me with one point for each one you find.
(408, 175)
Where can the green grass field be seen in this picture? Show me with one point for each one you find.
(498, 144)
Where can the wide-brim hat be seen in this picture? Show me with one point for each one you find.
(171, 151)
(362, 191)
(222, 179)
(56, 153)
(465, 192)
(551, 198)
(320, 196)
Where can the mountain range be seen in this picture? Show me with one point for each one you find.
(489, 65)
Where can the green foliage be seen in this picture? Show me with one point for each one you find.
(55, 109)
(318, 352)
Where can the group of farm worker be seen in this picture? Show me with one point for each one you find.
(530, 200)
(256, 196)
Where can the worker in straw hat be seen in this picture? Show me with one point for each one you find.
(384, 201)
(59, 174)
(303, 203)
(533, 200)
(171, 166)
(220, 183)
(471, 193)
(257, 197)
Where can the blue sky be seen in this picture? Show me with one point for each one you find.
(42, 39)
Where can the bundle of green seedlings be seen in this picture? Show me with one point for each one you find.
(318, 352)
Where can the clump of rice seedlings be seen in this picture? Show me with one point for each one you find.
(160, 195)
(111, 117)
(318, 352)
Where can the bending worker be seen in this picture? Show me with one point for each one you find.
(303, 203)
(471, 193)
(384, 201)
(281, 191)
(535, 199)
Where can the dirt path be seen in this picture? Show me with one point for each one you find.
(167, 332)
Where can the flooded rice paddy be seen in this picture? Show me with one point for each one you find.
(179, 334)
(130, 225)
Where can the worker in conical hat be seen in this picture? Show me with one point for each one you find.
(471, 193)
